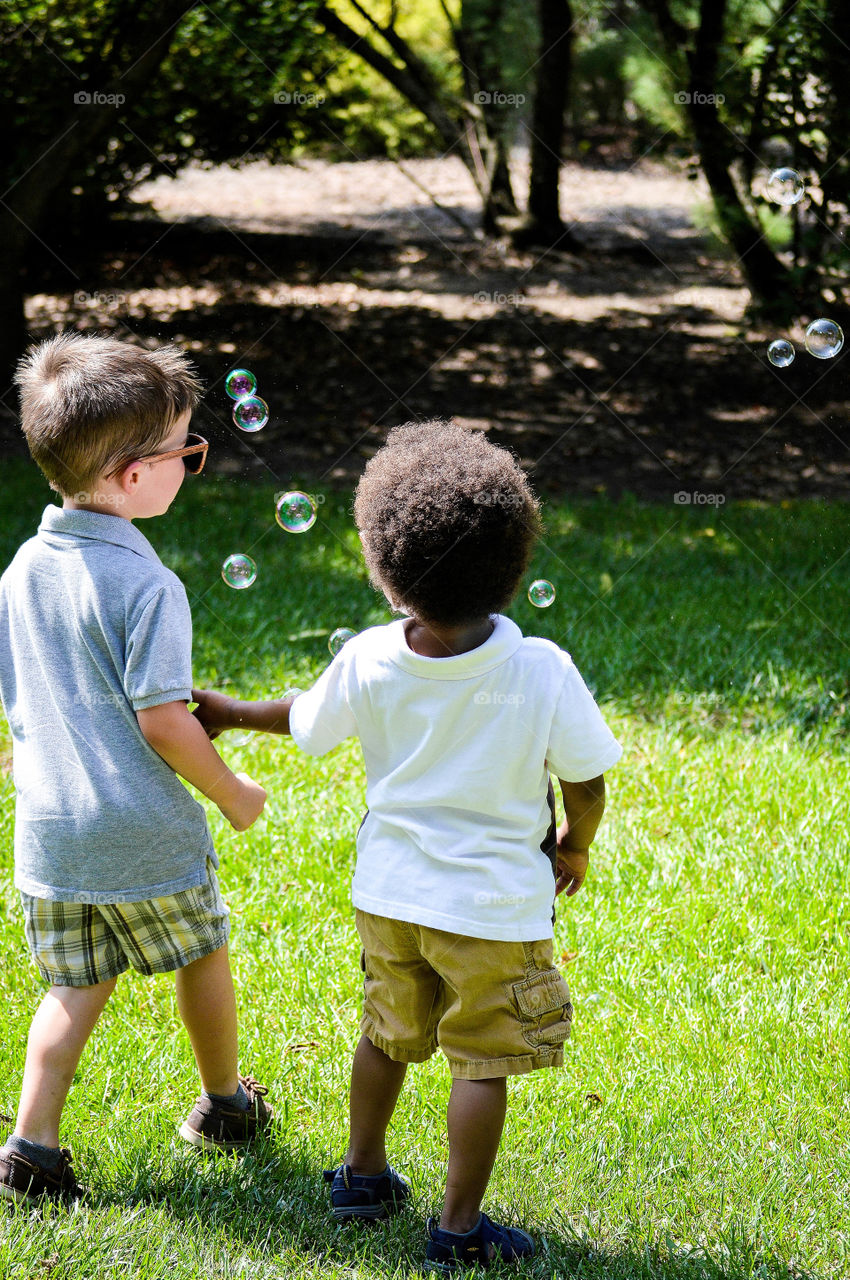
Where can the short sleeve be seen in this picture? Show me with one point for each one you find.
(158, 656)
(581, 746)
(322, 717)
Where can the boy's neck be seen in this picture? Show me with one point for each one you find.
(430, 640)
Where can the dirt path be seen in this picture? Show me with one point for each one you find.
(360, 303)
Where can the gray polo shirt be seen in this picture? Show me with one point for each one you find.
(93, 628)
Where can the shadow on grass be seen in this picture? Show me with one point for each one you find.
(273, 1203)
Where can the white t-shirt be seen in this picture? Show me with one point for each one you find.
(458, 753)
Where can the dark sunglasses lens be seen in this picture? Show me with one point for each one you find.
(194, 461)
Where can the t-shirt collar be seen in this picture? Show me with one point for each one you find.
(502, 643)
(97, 526)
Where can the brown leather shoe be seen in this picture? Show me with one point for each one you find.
(21, 1179)
(217, 1126)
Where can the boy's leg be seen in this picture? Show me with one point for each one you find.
(207, 1004)
(62, 1024)
(376, 1082)
(476, 1117)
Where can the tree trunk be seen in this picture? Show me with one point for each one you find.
(477, 40)
(544, 225)
(763, 271)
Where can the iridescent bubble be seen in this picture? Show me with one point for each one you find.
(240, 383)
(824, 339)
(340, 637)
(785, 186)
(295, 512)
(239, 571)
(251, 413)
(781, 353)
(541, 593)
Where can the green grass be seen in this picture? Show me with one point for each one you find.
(701, 1126)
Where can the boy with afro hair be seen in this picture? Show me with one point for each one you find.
(461, 720)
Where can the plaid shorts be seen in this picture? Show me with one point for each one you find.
(78, 944)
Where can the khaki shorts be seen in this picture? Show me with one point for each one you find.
(494, 1008)
(80, 944)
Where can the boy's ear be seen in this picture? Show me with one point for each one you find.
(128, 477)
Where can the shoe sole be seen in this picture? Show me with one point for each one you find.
(17, 1197)
(445, 1268)
(202, 1143)
(371, 1212)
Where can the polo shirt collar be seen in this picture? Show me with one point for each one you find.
(502, 644)
(96, 526)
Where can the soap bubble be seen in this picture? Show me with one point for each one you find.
(340, 637)
(295, 512)
(824, 339)
(541, 593)
(781, 353)
(239, 571)
(240, 383)
(785, 186)
(250, 413)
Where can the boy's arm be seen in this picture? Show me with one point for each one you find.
(176, 735)
(217, 712)
(584, 804)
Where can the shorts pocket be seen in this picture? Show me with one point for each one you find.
(545, 1010)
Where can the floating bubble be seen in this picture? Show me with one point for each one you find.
(824, 339)
(781, 353)
(250, 413)
(541, 593)
(239, 571)
(240, 383)
(785, 186)
(295, 512)
(340, 637)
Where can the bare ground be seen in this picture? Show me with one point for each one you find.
(362, 295)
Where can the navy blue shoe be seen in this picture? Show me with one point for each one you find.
(354, 1195)
(449, 1251)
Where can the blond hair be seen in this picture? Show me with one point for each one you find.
(90, 404)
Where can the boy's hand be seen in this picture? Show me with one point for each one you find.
(572, 867)
(214, 710)
(244, 806)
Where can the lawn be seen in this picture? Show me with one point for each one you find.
(701, 1125)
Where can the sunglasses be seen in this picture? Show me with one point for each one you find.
(193, 453)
